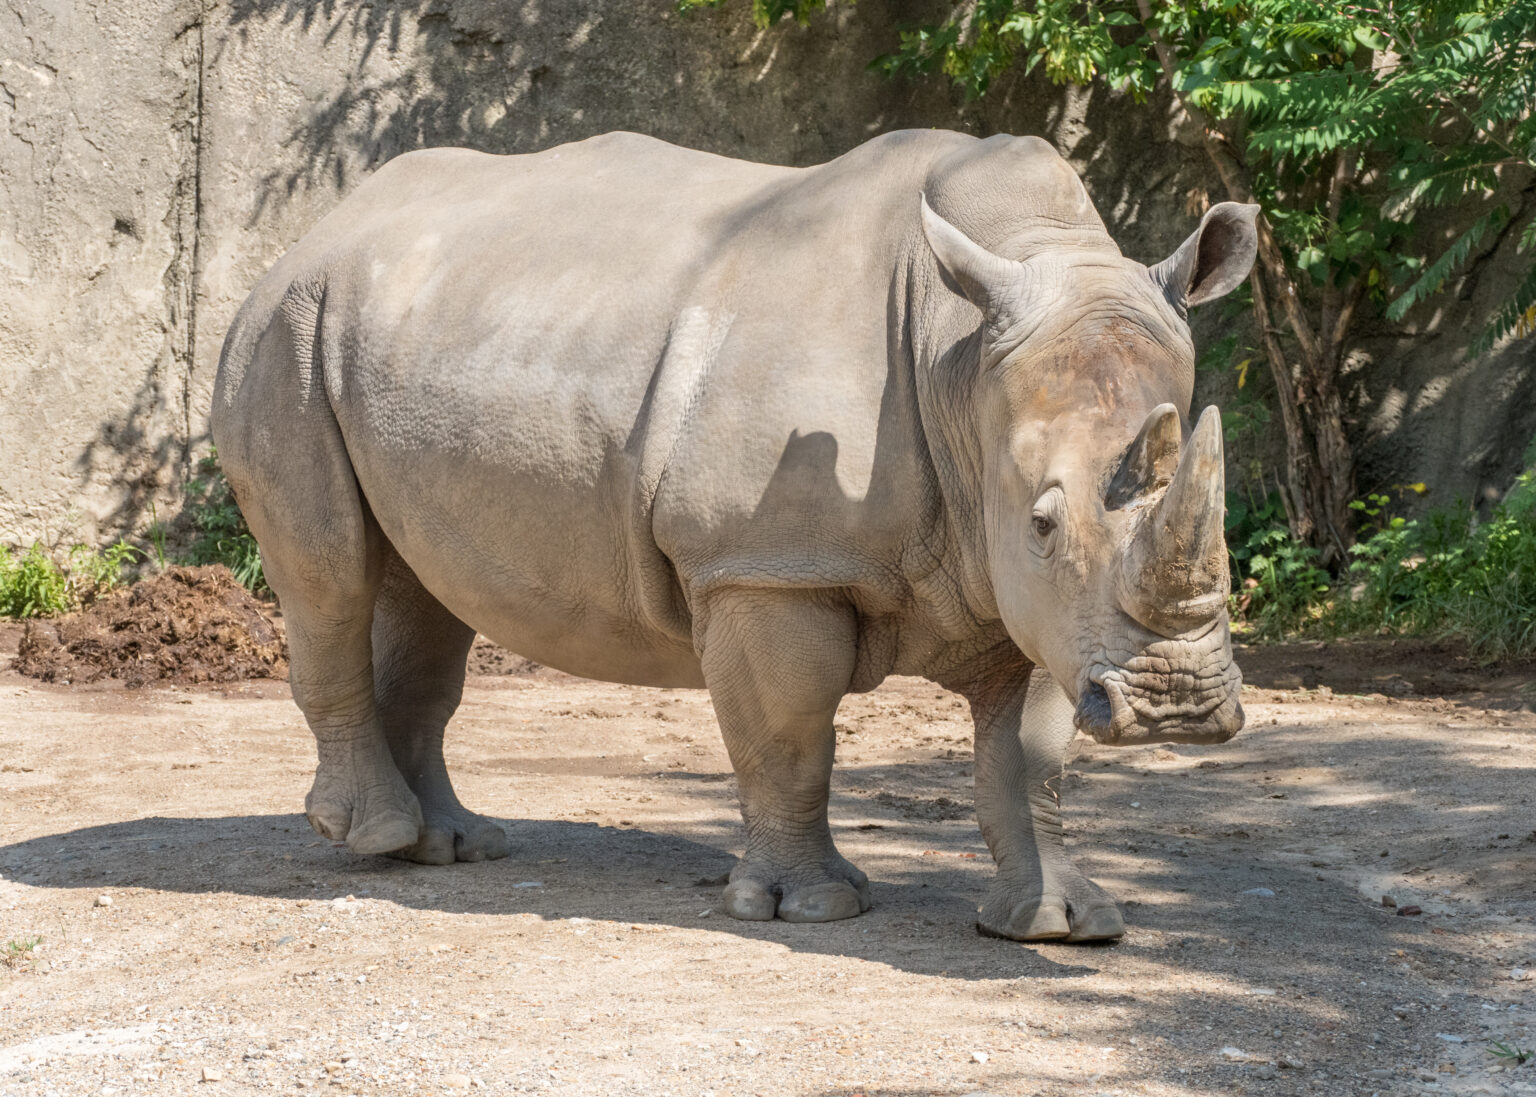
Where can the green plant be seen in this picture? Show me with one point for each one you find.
(1286, 588)
(18, 951)
(156, 533)
(35, 584)
(219, 532)
(1450, 575)
(1511, 1053)
(93, 574)
(32, 584)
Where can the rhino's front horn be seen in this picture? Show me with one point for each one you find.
(1173, 574)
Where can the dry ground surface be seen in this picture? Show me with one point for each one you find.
(195, 937)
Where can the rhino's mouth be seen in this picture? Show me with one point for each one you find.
(1181, 690)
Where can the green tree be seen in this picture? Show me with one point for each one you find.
(1342, 120)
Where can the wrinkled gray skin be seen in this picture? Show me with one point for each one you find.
(653, 416)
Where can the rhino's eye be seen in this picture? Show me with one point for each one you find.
(1045, 519)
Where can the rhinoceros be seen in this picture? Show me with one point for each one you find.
(655, 416)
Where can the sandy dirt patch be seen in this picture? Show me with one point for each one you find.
(239, 952)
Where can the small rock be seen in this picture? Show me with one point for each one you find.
(1267, 1072)
(211, 1074)
(521, 884)
(1388, 901)
(103, 900)
(979, 1056)
(456, 1081)
(1410, 911)
(1448, 1038)
(333, 1067)
(1519, 974)
(1260, 893)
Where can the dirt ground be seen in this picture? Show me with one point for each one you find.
(196, 937)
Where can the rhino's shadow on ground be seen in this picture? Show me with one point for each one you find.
(557, 869)
(1185, 886)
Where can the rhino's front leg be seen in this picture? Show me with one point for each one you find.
(1023, 729)
(777, 663)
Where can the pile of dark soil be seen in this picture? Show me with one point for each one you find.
(485, 658)
(187, 626)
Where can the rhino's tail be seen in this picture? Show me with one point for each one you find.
(281, 448)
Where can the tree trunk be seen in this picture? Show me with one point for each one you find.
(1320, 479)
(1320, 473)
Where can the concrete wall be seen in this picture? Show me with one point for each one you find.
(156, 157)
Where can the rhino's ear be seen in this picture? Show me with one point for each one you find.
(988, 281)
(1214, 260)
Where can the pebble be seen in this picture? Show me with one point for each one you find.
(1519, 974)
(103, 900)
(523, 884)
(1388, 901)
(1260, 893)
(1448, 1038)
(456, 1081)
(1409, 911)
(979, 1056)
(211, 1074)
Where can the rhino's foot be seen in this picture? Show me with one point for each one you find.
(456, 835)
(1072, 910)
(371, 816)
(826, 893)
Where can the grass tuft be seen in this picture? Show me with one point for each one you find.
(1449, 575)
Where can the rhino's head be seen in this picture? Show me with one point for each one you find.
(1102, 513)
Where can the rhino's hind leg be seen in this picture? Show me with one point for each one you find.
(1023, 728)
(321, 549)
(419, 652)
(777, 663)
